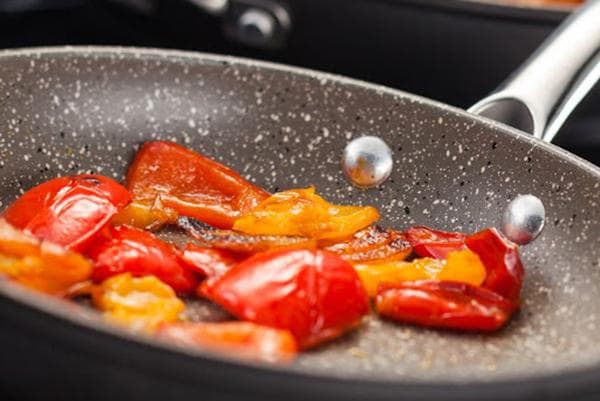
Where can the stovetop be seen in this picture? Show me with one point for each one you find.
(401, 56)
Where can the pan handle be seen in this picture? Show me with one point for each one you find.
(542, 93)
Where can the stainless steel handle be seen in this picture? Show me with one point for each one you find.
(543, 92)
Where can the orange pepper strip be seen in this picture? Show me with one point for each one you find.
(461, 266)
(40, 265)
(141, 303)
(301, 212)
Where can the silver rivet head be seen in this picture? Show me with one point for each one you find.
(367, 161)
(523, 219)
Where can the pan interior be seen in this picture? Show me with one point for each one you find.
(66, 112)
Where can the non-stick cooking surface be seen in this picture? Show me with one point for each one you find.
(70, 111)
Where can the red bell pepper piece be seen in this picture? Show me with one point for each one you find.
(68, 211)
(312, 293)
(443, 304)
(166, 176)
(502, 262)
(208, 262)
(240, 339)
(430, 243)
(129, 250)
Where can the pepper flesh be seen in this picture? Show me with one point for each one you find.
(240, 339)
(444, 304)
(208, 262)
(68, 211)
(168, 180)
(40, 265)
(141, 304)
(459, 266)
(501, 259)
(373, 243)
(427, 242)
(301, 212)
(126, 249)
(314, 294)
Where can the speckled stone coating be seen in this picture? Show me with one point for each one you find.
(68, 111)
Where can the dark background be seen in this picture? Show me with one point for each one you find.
(448, 52)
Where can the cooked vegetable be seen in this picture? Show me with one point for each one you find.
(233, 241)
(125, 249)
(444, 304)
(371, 244)
(428, 242)
(301, 212)
(314, 294)
(460, 266)
(40, 265)
(298, 269)
(68, 211)
(141, 304)
(168, 180)
(242, 339)
(208, 262)
(502, 262)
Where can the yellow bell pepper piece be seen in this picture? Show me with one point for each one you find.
(462, 266)
(141, 303)
(301, 212)
(40, 265)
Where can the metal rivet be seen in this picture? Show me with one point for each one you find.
(523, 219)
(367, 161)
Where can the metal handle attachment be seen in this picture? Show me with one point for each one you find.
(543, 92)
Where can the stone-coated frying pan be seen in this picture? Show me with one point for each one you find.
(70, 110)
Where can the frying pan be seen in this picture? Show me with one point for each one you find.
(72, 110)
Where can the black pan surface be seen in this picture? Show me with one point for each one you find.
(73, 110)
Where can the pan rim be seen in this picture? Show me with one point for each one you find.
(566, 383)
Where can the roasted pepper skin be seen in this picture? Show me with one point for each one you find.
(168, 180)
(68, 211)
(502, 261)
(430, 243)
(208, 262)
(125, 249)
(444, 304)
(239, 339)
(313, 294)
(373, 244)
